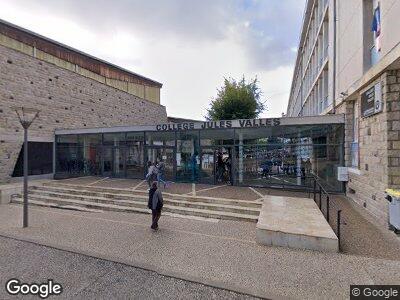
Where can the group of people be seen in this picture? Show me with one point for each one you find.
(156, 172)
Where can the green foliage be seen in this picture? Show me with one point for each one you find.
(236, 100)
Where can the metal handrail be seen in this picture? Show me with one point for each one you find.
(321, 190)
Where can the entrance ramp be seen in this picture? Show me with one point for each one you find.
(295, 223)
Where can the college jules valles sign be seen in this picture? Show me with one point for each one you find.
(245, 123)
(371, 101)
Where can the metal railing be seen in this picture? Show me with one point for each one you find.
(319, 194)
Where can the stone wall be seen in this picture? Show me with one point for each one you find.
(379, 149)
(66, 100)
(139, 89)
(393, 127)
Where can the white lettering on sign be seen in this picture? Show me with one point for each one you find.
(244, 123)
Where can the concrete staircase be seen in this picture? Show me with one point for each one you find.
(88, 198)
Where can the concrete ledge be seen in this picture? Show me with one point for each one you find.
(294, 223)
(8, 190)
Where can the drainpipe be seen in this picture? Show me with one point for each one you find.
(334, 58)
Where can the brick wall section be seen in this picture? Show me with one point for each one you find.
(379, 146)
(66, 100)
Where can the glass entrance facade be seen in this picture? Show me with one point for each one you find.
(285, 156)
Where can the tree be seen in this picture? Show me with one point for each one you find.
(236, 100)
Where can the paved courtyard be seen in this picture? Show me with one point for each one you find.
(358, 235)
(85, 277)
(220, 254)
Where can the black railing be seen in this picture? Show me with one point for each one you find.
(319, 193)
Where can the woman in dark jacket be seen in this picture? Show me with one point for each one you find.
(155, 204)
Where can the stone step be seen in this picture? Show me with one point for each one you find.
(142, 202)
(63, 203)
(78, 194)
(126, 194)
(177, 210)
(19, 200)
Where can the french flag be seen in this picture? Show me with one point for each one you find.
(376, 27)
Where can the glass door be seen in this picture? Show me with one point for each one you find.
(107, 161)
(207, 166)
(165, 154)
(135, 161)
(216, 165)
(113, 162)
(119, 162)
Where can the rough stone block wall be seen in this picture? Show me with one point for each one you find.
(393, 127)
(151, 93)
(66, 100)
(379, 149)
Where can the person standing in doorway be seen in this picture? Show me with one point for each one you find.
(155, 203)
(220, 166)
(151, 173)
(161, 173)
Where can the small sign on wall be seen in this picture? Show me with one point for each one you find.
(343, 174)
(371, 101)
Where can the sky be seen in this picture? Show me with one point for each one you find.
(188, 45)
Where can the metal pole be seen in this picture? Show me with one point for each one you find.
(25, 209)
(327, 208)
(315, 190)
(338, 223)
(320, 197)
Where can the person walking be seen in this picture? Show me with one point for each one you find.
(220, 167)
(155, 203)
(161, 172)
(151, 173)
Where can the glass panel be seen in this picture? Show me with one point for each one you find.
(135, 160)
(69, 160)
(216, 165)
(91, 153)
(214, 137)
(134, 137)
(91, 157)
(107, 161)
(207, 166)
(155, 155)
(164, 138)
(89, 140)
(119, 162)
(69, 139)
(288, 165)
(114, 139)
(187, 156)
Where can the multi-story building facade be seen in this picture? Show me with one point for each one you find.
(71, 89)
(349, 62)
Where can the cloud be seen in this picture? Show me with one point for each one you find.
(266, 29)
(188, 45)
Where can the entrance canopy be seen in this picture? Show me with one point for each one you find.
(278, 152)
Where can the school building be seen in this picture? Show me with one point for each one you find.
(348, 62)
(71, 89)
